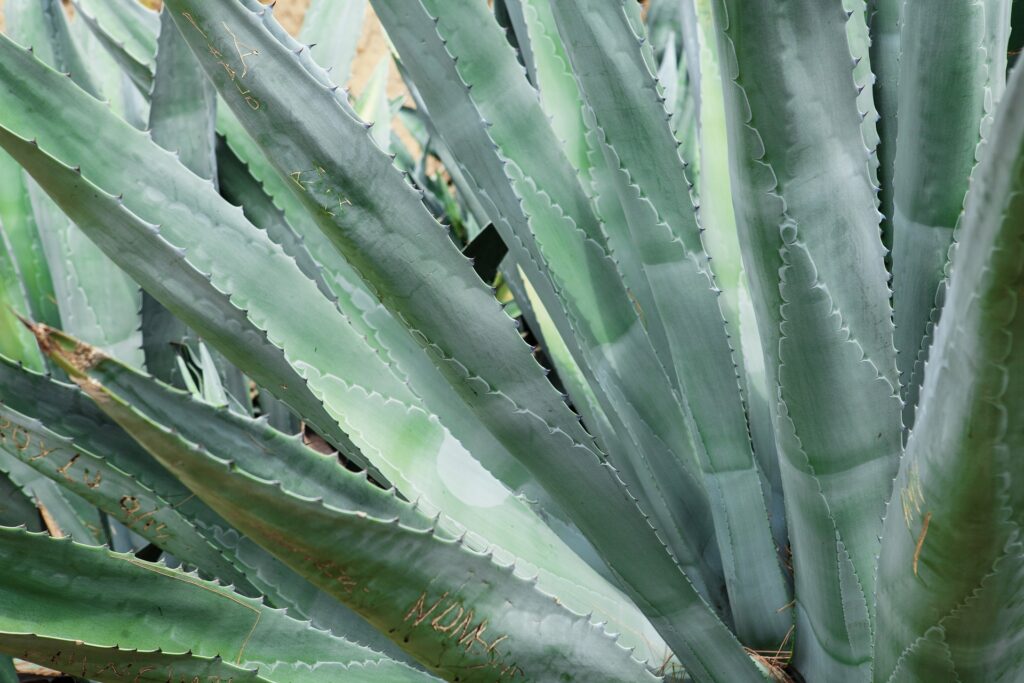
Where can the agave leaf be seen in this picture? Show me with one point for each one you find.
(559, 94)
(16, 507)
(468, 295)
(332, 28)
(285, 588)
(952, 70)
(112, 490)
(372, 105)
(561, 100)
(471, 294)
(182, 119)
(183, 103)
(686, 121)
(810, 242)
(63, 512)
(664, 24)
(67, 412)
(13, 304)
(859, 40)
(58, 583)
(721, 240)
(311, 474)
(668, 77)
(884, 28)
(97, 301)
(272, 369)
(950, 568)
(619, 360)
(125, 98)
(254, 446)
(43, 26)
(511, 15)
(608, 60)
(128, 31)
(387, 333)
(26, 248)
(240, 186)
(611, 330)
(373, 575)
(8, 674)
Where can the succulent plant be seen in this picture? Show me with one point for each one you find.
(662, 343)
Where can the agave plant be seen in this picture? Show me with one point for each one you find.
(615, 354)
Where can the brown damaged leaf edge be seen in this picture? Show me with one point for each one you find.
(73, 356)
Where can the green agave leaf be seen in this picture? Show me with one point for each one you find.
(183, 102)
(511, 15)
(303, 471)
(559, 94)
(112, 490)
(96, 300)
(952, 70)
(721, 240)
(662, 231)
(664, 24)
(13, 303)
(253, 445)
(63, 512)
(125, 98)
(65, 410)
(620, 361)
(469, 289)
(8, 674)
(386, 331)
(810, 243)
(128, 31)
(182, 119)
(884, 29)
(612, 330)
(181, 218)
(302, 239)
(563, 103)
(859, 40)
(55, 585)
(26, 248)
(950, 570)
(508, 514)
(332, 28)
(285, 588)
(685, 119)
(414, 602)
(467, 293)
(372, 105)
(16, 507)
(241, 187)
(43, 26)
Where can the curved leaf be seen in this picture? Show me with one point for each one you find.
(54, 585)
(952, 70)
(950, 569)
(811, 247)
